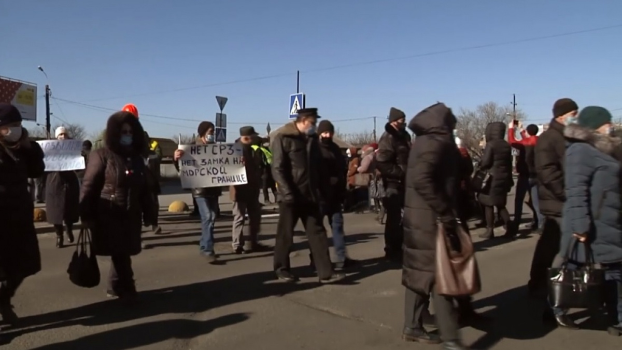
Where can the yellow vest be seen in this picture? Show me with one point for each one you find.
(266, 153)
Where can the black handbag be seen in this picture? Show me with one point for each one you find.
(480, 180)
(83, 269)
(582, 288)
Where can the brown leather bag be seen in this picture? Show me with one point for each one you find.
(457, 273)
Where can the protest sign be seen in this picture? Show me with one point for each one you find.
(62, 155)
(212, 165)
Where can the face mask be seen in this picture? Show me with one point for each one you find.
(326, 140)
(570, 121)
(311, 130)
(15, 133)
(126, 140)
(609, 130)
(209, 138)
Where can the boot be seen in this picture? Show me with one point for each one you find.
(9, 317)
(454, 345)
(489, 234)
(60, 242)
(70, 237)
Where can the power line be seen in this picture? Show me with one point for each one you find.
(106, 109)
(364, 63)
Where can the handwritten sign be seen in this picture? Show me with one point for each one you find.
(62, 155)
(212, 165)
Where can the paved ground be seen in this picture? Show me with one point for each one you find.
(188, 304)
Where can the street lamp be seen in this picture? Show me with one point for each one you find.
(47, 102)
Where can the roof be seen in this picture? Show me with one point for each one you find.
(342, 144)
(167, 146)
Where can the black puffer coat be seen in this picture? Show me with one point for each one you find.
(295, 160)
(497, 159)
(333, 175)
(62, 197)
(392, 156)
(19, 248)
(432, 182)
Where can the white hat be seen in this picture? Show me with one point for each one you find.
(458, 142)
(60, 130)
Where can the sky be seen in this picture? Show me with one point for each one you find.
(356, 58)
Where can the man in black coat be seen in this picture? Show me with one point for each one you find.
(295, 156)
(333, 189)
(549, 164)
(391, 162)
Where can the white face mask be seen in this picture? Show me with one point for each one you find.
(14, 134)
(209, 138)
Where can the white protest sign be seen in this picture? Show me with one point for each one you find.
(62, 155)
(212, 165)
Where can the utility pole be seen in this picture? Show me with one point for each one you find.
(48, 92)
(374, 129)
(298, 82)
(514, 106)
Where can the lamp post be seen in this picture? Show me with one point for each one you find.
(47, 103)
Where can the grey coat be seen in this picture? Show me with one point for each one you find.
(592, 186)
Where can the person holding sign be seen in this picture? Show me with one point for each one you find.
(206, 197)
(295, 158)
(62, 191)
(246, 197)
(115, 197)
(20, 159)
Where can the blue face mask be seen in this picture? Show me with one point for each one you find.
(570, 121)
(311, 130)
(209, 138)
(126, 140)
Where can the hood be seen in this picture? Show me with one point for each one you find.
(113, 133)
(604, 143)
(495, 131)
(436, 119)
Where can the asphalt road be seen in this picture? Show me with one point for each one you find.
(189, 304)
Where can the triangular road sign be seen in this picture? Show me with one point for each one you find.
(222, 101)
(221, 135)
(295, 106)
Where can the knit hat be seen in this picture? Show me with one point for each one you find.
(325, 126)
(396, 114)
(593, 117)
(564, 106)
(203, 127)
(60, 130)
(9, 114)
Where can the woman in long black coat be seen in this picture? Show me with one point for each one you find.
(115, 198)
(62, 193)
(497, 160)
(20, 159)
(432, 186)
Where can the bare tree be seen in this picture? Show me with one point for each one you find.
(75, 131)
(185, 139)
(99, 135)
(472, 123)
(357, 139)
(37, 133)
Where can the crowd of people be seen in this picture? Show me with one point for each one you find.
(571, 172)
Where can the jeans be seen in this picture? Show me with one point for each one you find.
(207, 210)
(523, 185)
(335, 220)
(240, 210)
(613, 290)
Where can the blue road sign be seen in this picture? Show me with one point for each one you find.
(296, 102)
(221, 134)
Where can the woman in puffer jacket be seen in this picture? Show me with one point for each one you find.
(591, 212)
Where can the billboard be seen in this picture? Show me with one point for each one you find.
(22, 95)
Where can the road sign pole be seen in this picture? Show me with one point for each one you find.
(298, 82)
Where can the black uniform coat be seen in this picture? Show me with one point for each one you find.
(295, 160)
(497, 159)
(432, 182)
(19, 248)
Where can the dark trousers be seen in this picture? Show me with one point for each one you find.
(416, 303)
(121, 275)
(268, 183)
(156, 210)
(546, 250)
(8, 287)
(526, 185)
(312, 219)
(393, 229)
